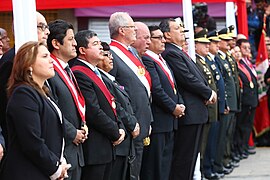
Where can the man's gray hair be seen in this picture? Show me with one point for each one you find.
(117, 20)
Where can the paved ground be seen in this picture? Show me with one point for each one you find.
(256, 167)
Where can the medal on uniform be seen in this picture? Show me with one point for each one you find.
(146, 141)
(251, 85)
(141, 71)
(174, 90)
(113, 104)
(217, 77)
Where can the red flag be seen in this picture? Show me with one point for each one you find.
(262, 118)
(242, 17)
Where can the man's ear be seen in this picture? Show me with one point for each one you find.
(121, 31)
(82, 50)
(55, 44)
(167, 35)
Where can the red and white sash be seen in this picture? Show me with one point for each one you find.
(76, 94)
(91, 75)
(247, 74)
(164, 68)
(134, 64)
(251, 67)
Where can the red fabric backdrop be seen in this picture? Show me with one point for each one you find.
(6, 5)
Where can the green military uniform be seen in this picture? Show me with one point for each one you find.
(235, 74)
(200, 37)
(206, 70)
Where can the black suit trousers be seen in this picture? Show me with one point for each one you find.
(186, 148)
(244, 125)
(97, 172)
(135, 165)
(157, 157)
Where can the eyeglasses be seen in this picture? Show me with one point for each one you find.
(43, 27)
(158, 37)
(133, 27)
(107, 54)
(4, 37)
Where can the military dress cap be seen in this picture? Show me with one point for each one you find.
(231, 31)
(201, 36)
(180, 22)
(213, 36)
(223, 34)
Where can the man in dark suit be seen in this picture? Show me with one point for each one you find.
(61, 44)
(6, 68)
(196, 94)
(124, 151)
(227, 119)
(106, 131)
(249, 101)
(167, 107)
(130, 72)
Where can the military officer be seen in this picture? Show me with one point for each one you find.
(231, 101)
(216, 69)
(202, 49)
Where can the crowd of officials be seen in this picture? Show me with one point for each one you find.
(73, 107)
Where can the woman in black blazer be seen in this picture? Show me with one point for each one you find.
(35, 126)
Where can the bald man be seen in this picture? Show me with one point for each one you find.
(143, 38)
(6, 64)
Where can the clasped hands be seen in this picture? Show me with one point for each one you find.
(81, 136)
(179, 110)
(121, 138)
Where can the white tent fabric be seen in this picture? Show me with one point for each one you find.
(25, 22)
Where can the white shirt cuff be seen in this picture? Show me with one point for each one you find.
(212, 96)
(57, 174)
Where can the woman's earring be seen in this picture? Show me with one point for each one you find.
(31, 71)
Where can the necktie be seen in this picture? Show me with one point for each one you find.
(163, 61)
(96, 71)
(193, 60)
(132, 51)
(68, 70)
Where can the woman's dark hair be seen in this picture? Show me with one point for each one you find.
(105, 46)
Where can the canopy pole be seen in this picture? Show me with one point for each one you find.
(188, 21)
(24, 22)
